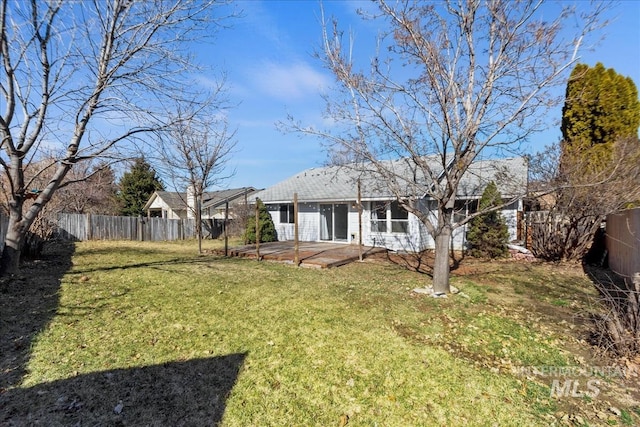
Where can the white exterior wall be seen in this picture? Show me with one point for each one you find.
(417, 239)
(308, 225)
(458, 238)
(510, 214)
(309, 222)
(282, 230)
(167, 212)
(352, 220)
(426, 241)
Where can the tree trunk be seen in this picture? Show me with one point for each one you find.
(10, 259)
(199, 221)
(441, 262)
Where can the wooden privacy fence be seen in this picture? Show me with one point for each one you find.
(102, 227)
(623, 242)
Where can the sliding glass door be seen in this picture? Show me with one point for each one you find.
(326, 222)
(334, 222)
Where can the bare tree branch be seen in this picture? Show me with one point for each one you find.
(196, 149)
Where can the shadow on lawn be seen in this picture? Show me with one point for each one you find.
(152, 264)
(176, 394)
(422, 262)
(28, 302)
(191, 392)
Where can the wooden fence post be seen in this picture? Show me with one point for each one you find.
(258, 229)
(226, 236)
(296, 241)
(246, 214)
(359, 221)
(89, 227)
(140, 229)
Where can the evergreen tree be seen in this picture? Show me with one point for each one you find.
(267, 227)
(601, 106)
(488, 234)
(136, 186)
(598, 161)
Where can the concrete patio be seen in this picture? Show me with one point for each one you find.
(311, 254)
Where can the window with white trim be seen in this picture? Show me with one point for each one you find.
(399, 218)
(286, 214)
(463, 208)
(389, 217)
(379, 217)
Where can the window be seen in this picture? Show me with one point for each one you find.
(399, 218)
(286, 214)
(389, 217)
(464, 208)
(378, 217)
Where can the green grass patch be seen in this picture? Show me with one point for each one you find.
(626, 418)
(475, 293)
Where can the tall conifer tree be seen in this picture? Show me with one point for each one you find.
(601, 106)
(136, 186)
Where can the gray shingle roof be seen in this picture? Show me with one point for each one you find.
(339, 183)
(510, 175)
(217, 198)
(176, 201)
(211, 199)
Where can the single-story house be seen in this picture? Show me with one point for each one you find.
(175, 205)
(328, 208)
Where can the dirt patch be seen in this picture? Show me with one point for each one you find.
(422, 262)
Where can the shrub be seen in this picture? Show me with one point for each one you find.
(267, 228)
(488, 234)
(42, 230)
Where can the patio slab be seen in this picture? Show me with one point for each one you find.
(311, 254)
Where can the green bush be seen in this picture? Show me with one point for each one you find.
(488, 235)
(267, 228)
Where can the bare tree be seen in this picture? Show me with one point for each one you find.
(89, 187)
(82, 79)
(451, 82)
(195, 153)
(577, 199)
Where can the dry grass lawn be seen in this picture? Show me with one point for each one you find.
(128, 333)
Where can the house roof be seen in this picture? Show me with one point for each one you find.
(339, 183)
(219, 198)
(177, 201)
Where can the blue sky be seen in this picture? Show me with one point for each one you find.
(271, 71)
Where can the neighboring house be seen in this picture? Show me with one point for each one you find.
(174, 205)
(327, 204)
(214, 204)
(167, 204)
